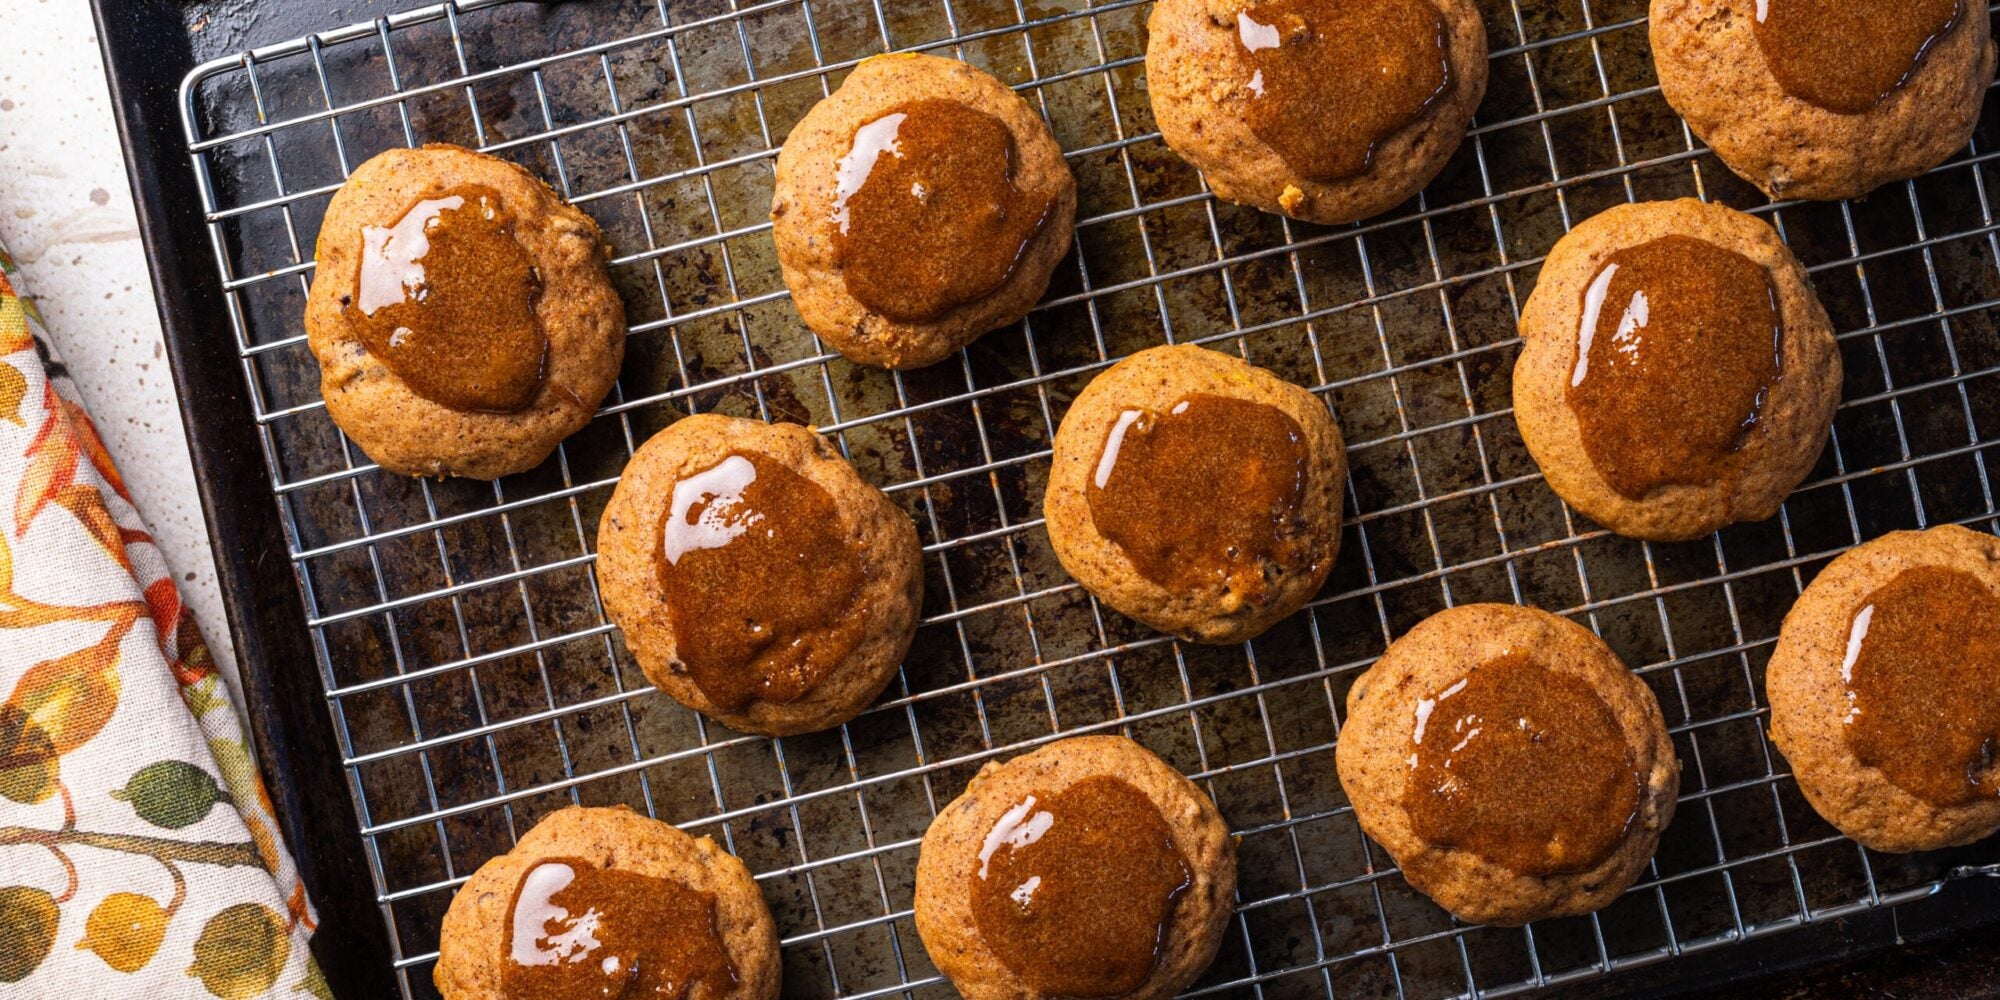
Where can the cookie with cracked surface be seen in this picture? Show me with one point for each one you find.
(757, 578)
(606, 902)
(1328, 111)
(1511, 764)
(1197, 493)
(921, 205)
(1882, 690)
(1677, 373)
(461, 314)
(1825, 99)
(1088, 868)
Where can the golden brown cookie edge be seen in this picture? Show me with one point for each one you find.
(887, 537)
(473, 933)
(1795, 421)
(950, 848)
(580, 313)
(1156, 378)
(1372, 753)
(1802, 684)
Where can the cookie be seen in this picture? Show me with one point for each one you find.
(757, 579)
(1510, 763)
(461, 314)
(921, 205)
(1882, 690)
(1825, 98)
(1088, 868)
(1323, 110)
(606, 902)
(1677, 373)
(1197, 493)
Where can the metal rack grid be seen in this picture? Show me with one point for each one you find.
(476, 685)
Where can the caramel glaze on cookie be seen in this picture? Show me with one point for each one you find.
(461, 313)
(1075, 888)
(928, 216)
(1331, 79)
(1676, 353)
(1922, 670)
(1882, 690)
(605, 902)
(1328, 111)
(1847, 55)
(1243, 462)
(577, 930)
(922, 204)
(1509, 762)
(758, 581)
(1677, 373)
(1522, 766)
(1089, 868)
(446, 295)
(1825, 99)
(1197, 493)
(757, 578)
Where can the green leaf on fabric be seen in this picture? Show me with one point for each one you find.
(241, 951)
(29, 764)
(200, 696)
(171, 793)
(239, 772)
(28, 918)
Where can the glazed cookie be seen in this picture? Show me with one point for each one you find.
(461, 314)
(606, 902)
(1197, 493)
(1882, 690)
(1825, 98)
(1511, 764)
(1678, 375)
(759, 581)
(1324, 110)
(921, 205)
(1089, 868)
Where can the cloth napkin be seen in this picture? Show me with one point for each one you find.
(138, 853)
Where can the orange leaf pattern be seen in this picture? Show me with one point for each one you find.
(138, 852)
(72, 696)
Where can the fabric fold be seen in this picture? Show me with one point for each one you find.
(138, 852)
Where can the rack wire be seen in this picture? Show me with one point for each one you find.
(476, 684)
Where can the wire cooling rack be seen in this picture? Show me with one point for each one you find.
(476, 684)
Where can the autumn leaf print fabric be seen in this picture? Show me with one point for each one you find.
(138, 853)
